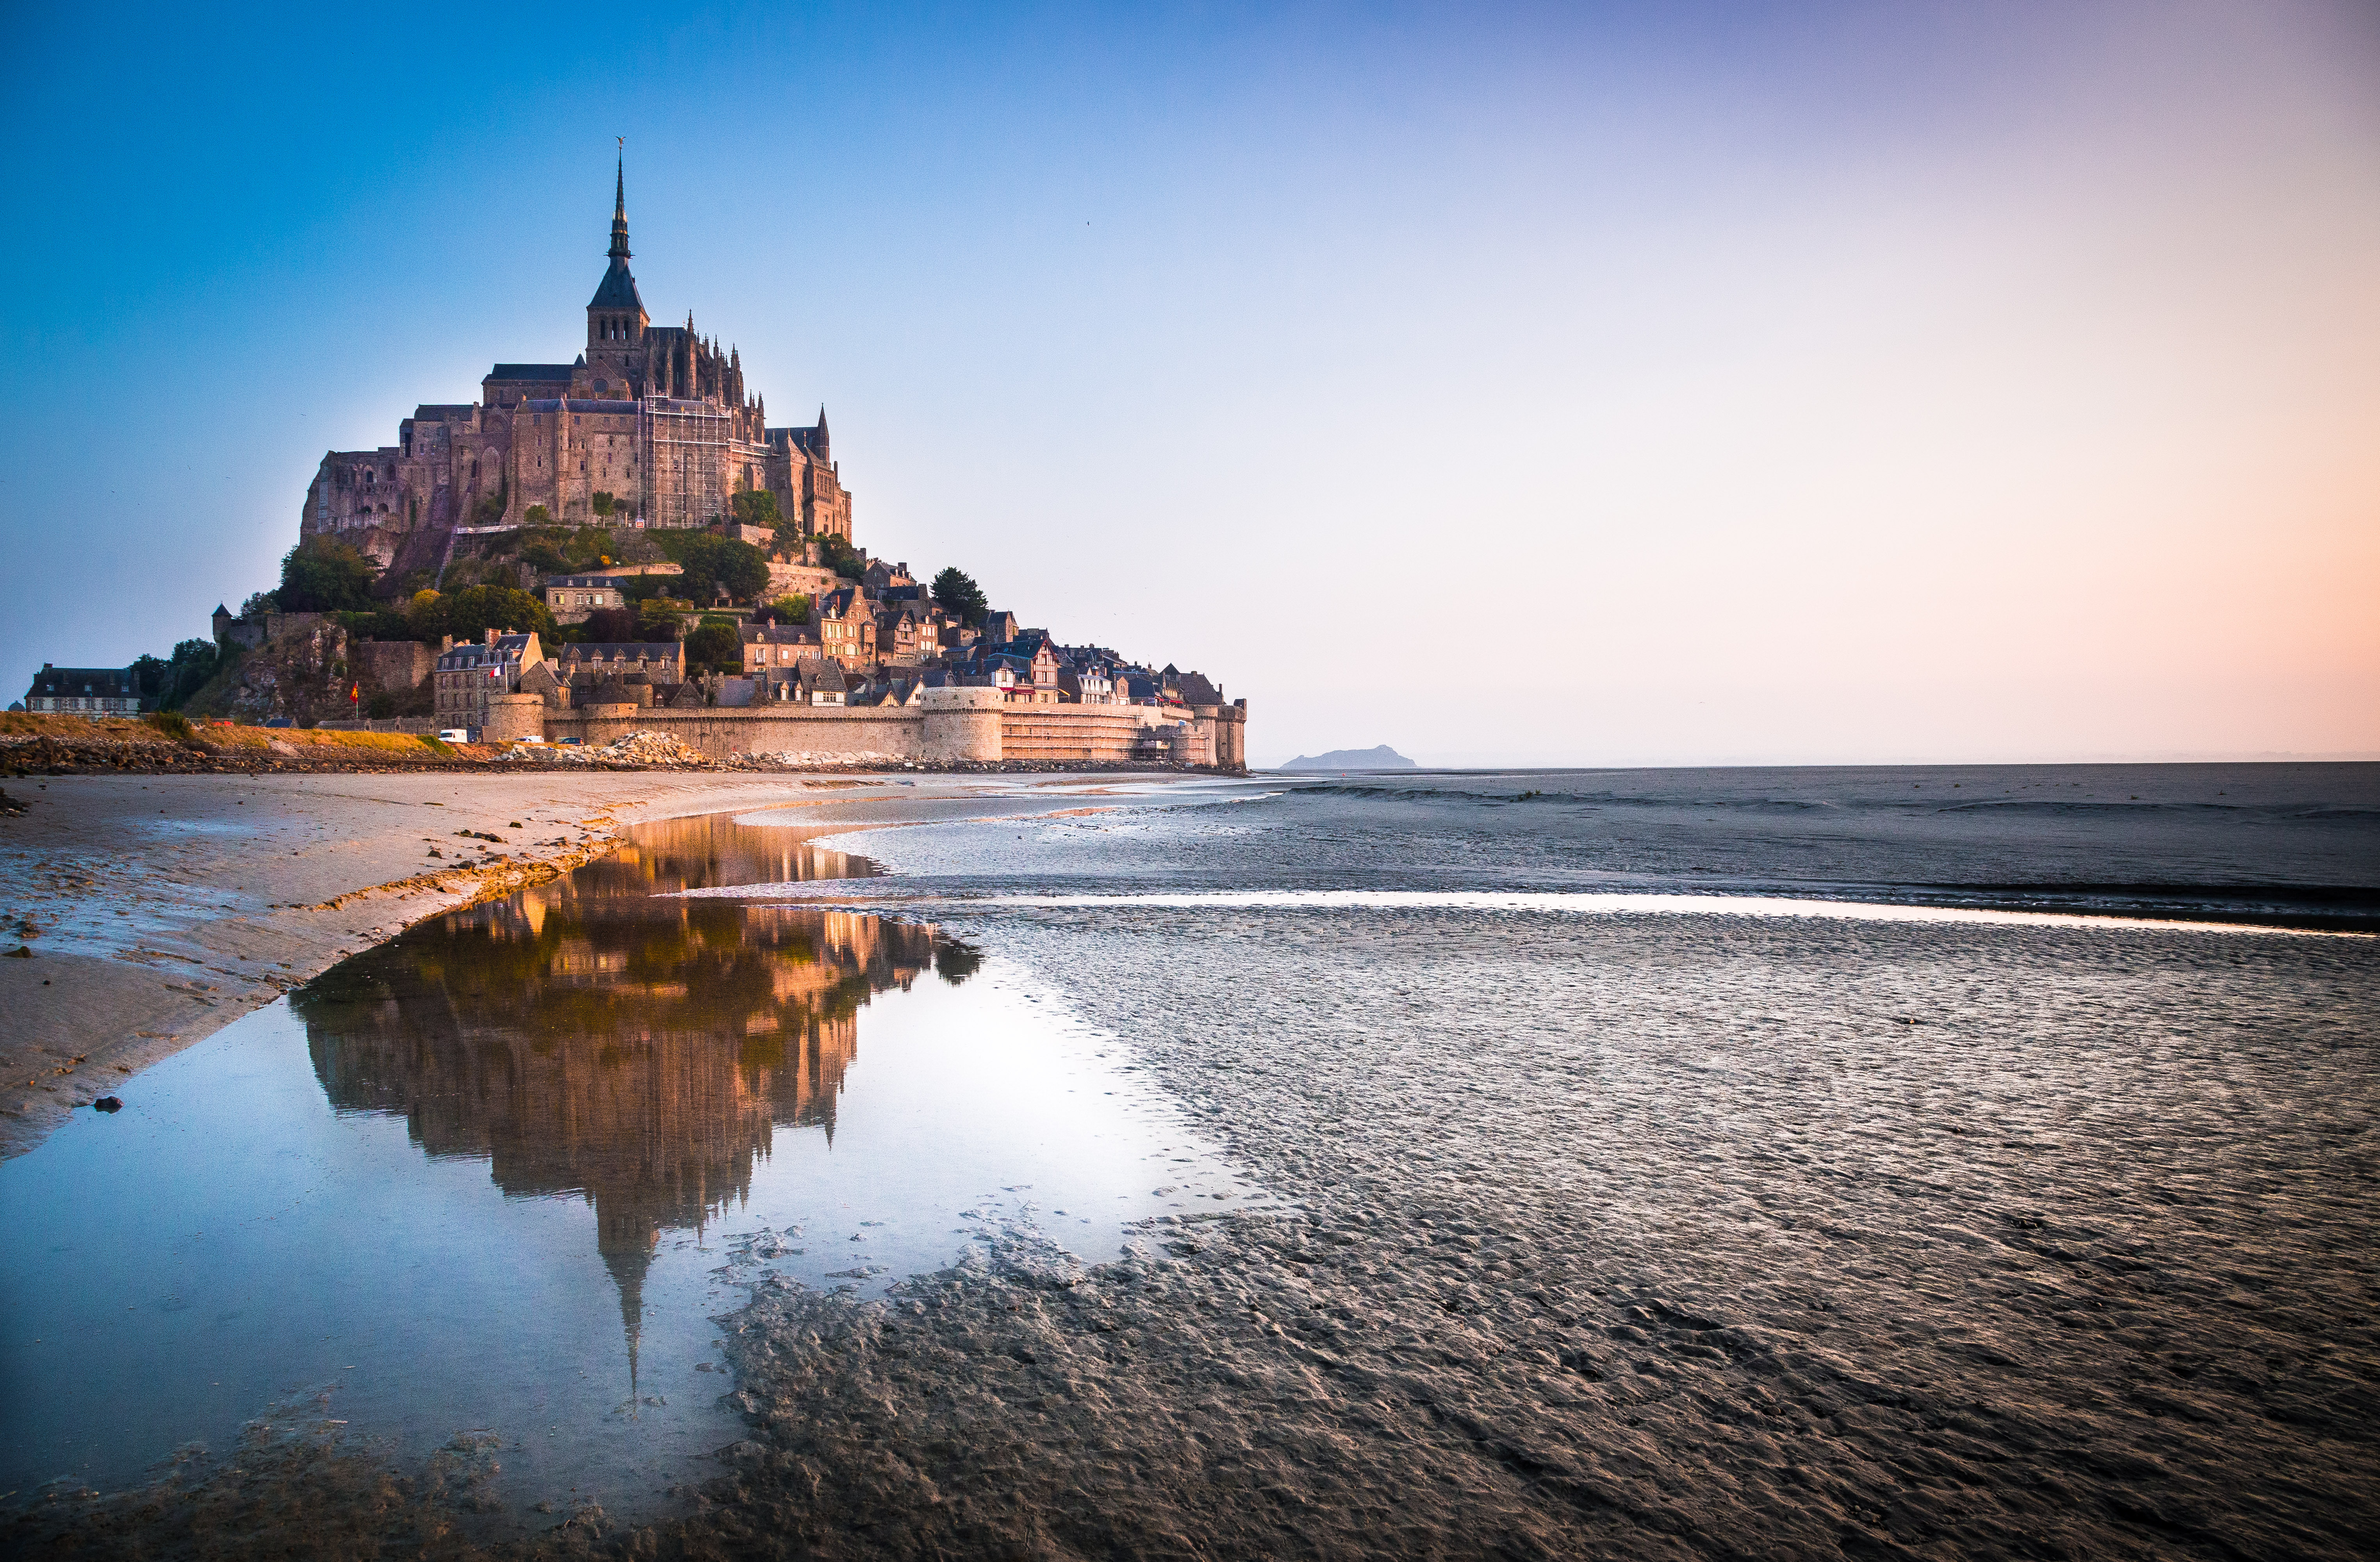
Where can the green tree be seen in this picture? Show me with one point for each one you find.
(714, 562)
(325, 575)
(794, 608)
(603, 502)
(839, 555)
(757, 508)
(194, 662)
(151, 678)
(957, 592)
(472, 611)
(536, 515)
(608, 624)
(714, 648)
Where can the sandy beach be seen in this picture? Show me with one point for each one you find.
(156, 909)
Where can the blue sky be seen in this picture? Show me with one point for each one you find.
(1618, 384)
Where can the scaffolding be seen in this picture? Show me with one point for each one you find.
(687, 443)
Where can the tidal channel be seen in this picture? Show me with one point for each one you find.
(487, 1193)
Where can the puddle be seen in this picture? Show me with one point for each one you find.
(497, 1177)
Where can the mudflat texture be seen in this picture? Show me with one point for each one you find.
(1651, 1237)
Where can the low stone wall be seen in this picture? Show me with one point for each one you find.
(825, 731)
(952, 724)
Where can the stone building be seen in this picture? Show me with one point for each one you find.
(467, 674)
(570, 598)
(88, 691)
(650, 424)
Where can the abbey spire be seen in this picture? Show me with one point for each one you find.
(615, 316)
(620, 211)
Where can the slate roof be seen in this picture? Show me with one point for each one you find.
(821, 674)
(780, 634)
(575, 404)
(670, 651)
(508, 648)
(618, 288)
(85, 682)
(1195, 690)
(531, 371)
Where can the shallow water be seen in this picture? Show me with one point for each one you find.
(1677, 1220)
(497, 1176)
(1691, 1164)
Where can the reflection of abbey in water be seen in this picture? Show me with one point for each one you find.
(590, 1037)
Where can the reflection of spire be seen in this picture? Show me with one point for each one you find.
(649, 1045)
(627, 1248)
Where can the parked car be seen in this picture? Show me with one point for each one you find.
(454, 734)
(278, 721)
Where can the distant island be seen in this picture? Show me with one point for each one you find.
(1381, 759)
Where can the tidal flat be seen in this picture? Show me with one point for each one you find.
(1712, 1233)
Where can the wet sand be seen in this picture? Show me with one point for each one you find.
(159, 908)
(1627, 1238)
(1733, 1238)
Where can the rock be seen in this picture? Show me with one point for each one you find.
(108, 1104)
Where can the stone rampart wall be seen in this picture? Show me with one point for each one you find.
(956, 724)
(1068, 731)
(821, 731)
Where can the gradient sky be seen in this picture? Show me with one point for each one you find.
(1627, 384)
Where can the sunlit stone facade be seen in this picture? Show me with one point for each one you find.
(654, 422)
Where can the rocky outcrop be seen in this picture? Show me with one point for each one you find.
(303, 675)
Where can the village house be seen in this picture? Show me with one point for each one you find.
(820, 682)
(903, 635)
(780, 646)
(466, 674)
(847, 626)
(88, 691)
(570, 598)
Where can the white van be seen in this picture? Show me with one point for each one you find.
(454, 734)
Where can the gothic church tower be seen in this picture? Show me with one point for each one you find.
(615, 316)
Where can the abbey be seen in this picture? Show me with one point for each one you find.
(653, 425)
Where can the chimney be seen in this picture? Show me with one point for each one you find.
(445, 643)
(487, 636)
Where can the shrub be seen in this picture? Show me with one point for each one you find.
(173, 724)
